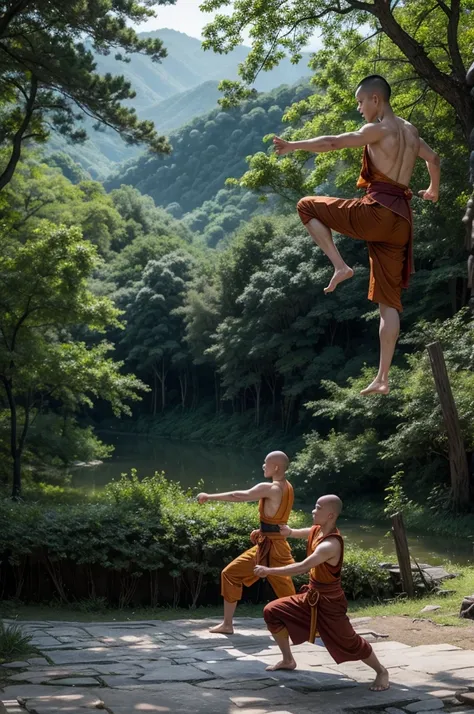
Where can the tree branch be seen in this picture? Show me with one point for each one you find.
(15, 10)
(7, 174)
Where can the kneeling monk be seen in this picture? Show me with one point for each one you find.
(382, 217)
(271, 547)
(322, 608)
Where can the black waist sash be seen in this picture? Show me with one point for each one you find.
(269, 527)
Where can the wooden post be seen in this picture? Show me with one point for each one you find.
(403, 554)
(457, 453)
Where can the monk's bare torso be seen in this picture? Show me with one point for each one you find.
(273, 500)
(396, 152)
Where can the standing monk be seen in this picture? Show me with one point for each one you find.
(271, 547)
(382, 217)
(322, 608)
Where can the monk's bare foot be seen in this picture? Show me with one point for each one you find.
(376, 387)
(284, 664)
(338, 277)
(381, 682)
(223, 629)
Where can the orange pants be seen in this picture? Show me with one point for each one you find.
(240, 572)
(387, 235)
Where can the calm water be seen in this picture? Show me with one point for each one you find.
(223, 468)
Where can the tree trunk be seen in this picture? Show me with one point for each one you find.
(457, 452)
(163, 378)
(183, 384)
(403, 554)
(216, 392)
(258, 389)
(16, 490)
(155, 393)
(14, 451)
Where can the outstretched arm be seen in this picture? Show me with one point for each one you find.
(326, 551)
(252, 494)
(433, 166)
(368, 134)
(294, 532)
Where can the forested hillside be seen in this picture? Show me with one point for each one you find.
(170, 93)
(187, 65)
(206, 152)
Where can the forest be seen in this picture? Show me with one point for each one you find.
(185, 283)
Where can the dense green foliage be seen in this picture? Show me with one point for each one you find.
(432, 42)
(144, 543)
(207, 151)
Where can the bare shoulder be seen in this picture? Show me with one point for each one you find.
(410, 131)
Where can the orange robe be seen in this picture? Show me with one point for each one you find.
(272, 550)
(382, 218)
(320, 609)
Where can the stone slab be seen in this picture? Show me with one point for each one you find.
(426, 705)
(175, 673)
(178, 698)
(76, 682)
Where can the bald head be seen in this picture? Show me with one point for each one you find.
(327, 511)
(333, 503)
(276, 465)
(375, 84)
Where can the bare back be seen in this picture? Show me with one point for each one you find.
(396, 152)
(273, 501)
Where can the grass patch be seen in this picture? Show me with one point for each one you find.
(450, 604)
(14, 644)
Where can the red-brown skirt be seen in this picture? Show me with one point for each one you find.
(293, 613)
(387, 235)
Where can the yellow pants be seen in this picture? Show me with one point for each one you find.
(240, 572)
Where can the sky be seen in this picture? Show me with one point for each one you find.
(185, 16)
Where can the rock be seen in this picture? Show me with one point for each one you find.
(465, 697)
(445, 593)
(425, 705)
(431, 608)
(467, 607)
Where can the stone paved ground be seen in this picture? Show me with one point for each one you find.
(180, 667)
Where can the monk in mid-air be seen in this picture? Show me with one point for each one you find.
(321, 609)
(270, 546)
(382, 217)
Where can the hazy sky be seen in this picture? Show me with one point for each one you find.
(186, 17)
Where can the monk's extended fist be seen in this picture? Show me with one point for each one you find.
(285, 530)
(282, 147)
(203, 497)
(261, 571)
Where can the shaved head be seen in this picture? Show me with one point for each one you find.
(327, 511)
(375, 84)
(279, 457)
(276, 464)
(333, 503)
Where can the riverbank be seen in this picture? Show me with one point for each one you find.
(417, 518)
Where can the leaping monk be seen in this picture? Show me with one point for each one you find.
(383, 217)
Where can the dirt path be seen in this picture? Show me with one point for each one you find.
(422, 632)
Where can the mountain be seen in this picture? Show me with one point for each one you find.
(171, 93)
(190, 182)
(187, 66)
(172, 113)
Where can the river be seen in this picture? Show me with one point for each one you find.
(223, 468)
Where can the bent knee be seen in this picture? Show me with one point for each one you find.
(305, 207)
(267, 612)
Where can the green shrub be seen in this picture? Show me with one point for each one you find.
(13, 643)
(143, 543)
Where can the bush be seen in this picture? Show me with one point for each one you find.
(140, 543)
(13, 643)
